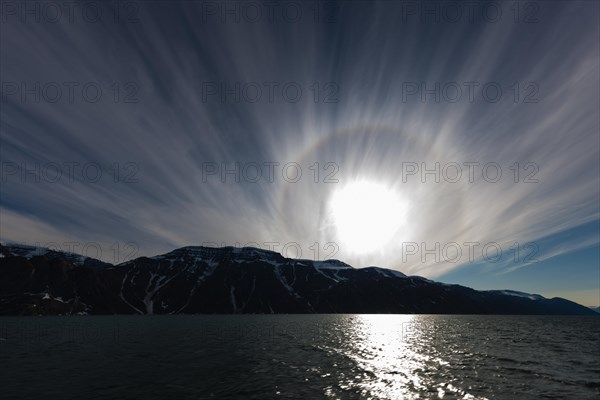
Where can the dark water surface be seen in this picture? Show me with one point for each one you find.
(300, 357)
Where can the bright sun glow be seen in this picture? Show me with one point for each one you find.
(367, 215)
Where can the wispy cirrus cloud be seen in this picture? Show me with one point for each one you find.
(180, 106)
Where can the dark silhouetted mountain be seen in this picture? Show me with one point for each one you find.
(194, 280)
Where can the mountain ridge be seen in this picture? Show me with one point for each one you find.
(200, 280)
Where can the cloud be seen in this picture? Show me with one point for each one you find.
(162, 156)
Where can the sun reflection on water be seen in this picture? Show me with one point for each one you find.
(395, 357)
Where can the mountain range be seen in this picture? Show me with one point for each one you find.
(206, 280)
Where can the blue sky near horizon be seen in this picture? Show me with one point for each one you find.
(372, 96)
(574, 276)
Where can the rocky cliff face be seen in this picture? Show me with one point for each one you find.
(193, 280)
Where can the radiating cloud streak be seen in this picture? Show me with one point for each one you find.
(371, 57)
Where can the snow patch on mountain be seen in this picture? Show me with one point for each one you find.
(518, 294)
(388, 273)
(24, 250)
(28, 252)
(284, 281)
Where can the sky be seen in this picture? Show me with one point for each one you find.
(456, 141)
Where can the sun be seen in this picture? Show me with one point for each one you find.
(367, 215)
